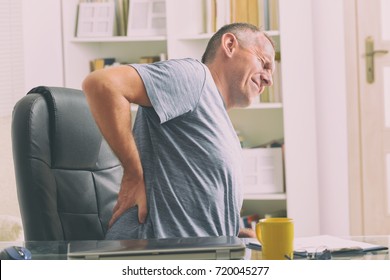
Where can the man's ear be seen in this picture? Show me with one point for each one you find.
(229, 44)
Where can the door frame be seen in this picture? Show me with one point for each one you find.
(353, 118)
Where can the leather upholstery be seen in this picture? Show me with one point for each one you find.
(66, 175)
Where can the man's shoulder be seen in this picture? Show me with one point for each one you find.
(183, 60)
(175, 66)
(180, 61)
(184, 63)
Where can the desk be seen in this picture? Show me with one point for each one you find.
(57, 250)
(381, 240)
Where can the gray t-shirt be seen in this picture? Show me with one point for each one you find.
(190, 154)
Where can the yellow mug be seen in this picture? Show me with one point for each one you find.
(276, 236)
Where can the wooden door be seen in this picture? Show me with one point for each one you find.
(373, 38)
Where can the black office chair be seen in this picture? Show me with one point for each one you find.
(66, 175)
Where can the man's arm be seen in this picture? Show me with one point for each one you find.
(109, 94)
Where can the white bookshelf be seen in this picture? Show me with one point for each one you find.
(292, 120)
(118, 39)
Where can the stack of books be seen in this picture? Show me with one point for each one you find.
(262, 13)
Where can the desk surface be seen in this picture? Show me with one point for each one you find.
(57, 250)
(382, 240)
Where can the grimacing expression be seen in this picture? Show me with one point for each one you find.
(253, 69)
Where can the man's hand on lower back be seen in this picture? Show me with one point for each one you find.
(132, 193)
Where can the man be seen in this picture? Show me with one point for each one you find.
(182, 170)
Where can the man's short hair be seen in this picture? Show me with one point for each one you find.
(237, 29)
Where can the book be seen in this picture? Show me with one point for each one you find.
(273, 13)
(217, 14)
(126, 7)
(121, 16)
(210, 16)
(261, 13)
(248, 221)
(149, 59)
(253, 12)
(239, 12)
(278, 82)
(100, 63)
(222, 13)
(264, 96)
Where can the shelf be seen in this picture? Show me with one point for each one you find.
(203, 36)
(272, 33)
(118, 39)
(262, 106)
(206, 36)
(271, 196)
(270, 105)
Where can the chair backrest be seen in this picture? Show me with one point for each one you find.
(67, 177)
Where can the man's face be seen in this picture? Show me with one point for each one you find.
(252, 69)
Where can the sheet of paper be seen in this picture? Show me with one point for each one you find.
(313, 243)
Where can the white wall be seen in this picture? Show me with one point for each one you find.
(42, 43)
(331, 116)
(299, 115)
(42, 48)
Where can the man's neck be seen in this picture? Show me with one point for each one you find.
(218, 80)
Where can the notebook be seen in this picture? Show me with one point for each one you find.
(201, 248)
